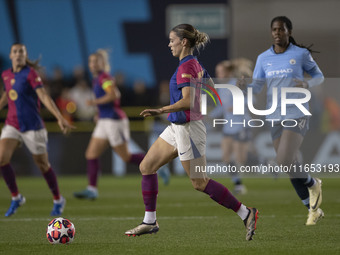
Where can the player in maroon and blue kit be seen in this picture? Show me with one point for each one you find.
(23, 93)
(112, 127)
(185, 137)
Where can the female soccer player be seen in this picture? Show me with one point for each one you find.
(185, 137)
(23, 90)
(236, 137)
(283, 65)
(112, 127)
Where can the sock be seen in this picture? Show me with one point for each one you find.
(9, 177)
(222, 195)
(243, 212)
(301, 189)
(150, 191)
(52, 183)
(309, 181)
(92, 171)
(91, 188)
(137, 158)
(149, 217)
(16, 198)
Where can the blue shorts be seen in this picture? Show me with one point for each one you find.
(243, 136)
(301, 127)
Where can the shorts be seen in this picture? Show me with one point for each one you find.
(35, 140)
(116, 132)
(189, 139)
(243, 136)
(301, 127)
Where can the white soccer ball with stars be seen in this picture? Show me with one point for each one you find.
(60, 231)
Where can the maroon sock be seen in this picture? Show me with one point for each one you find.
(92, 171)
(136, 158)
(222, 195)
(150, 191)
(9, 177)
(52, 183)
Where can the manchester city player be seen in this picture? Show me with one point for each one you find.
(284, 65)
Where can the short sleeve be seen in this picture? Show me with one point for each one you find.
(185, 72)
(106, 82)
(34, 79)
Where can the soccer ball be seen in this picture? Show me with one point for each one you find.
(60, 231)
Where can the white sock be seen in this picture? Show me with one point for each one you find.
(243, 212)
(16, 198)
(150, 217)
(92, 188)
(59, 200)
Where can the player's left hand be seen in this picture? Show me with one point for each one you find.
(151, 112)
(301, 84)
(65, 126)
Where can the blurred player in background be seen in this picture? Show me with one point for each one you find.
(284, 65)
(235, 143)
(23, 93)
(185, 137)
(112, 128)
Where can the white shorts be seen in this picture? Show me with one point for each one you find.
(35, 140)
(189, 139)
(116, 132)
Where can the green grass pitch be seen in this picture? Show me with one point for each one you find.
(190, 222)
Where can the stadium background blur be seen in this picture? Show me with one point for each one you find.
(64, 32)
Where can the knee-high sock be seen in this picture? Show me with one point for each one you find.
(92, 171)
(301, 189)
(136, 158)
(52, 183)
(9, 177)
(150, 191)
(222, 195)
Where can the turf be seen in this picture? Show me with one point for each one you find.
(190, 222)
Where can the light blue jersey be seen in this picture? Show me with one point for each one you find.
(235, 122)
(278, 70)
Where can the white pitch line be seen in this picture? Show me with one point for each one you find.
(160, 218)
(114, 218)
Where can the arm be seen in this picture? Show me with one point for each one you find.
(311, 68)
(181, 105)
(112, 93)
(50, 105)
(3, 100)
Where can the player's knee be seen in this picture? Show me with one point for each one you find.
(89, 155)
(126, 158)
(4, 160)
(284, 160)
(43, 165)
(199, 184)
(145, 168)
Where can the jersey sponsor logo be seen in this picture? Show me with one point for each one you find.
(269, 64)
(292, 61)
(186, 75)
(12, 82)
(5, 78)
(13, 95)
(38, 79)
(280, 72)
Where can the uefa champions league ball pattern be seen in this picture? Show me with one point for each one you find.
(60, 231)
